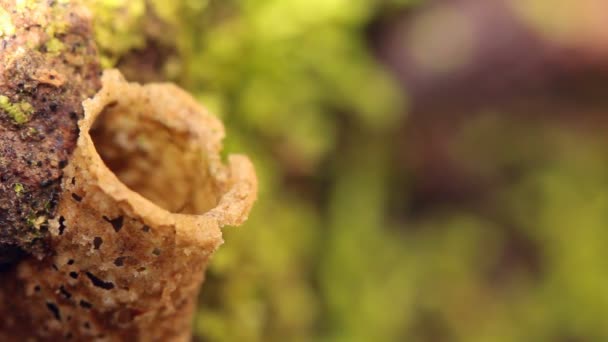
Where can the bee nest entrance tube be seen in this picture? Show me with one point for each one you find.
(142, 201)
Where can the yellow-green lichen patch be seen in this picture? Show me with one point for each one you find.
(36, 222)
(118, 27)
(57, 27)
(19, 188)
(22, 5)
(54, 46)
(20, 112)
(6, 24)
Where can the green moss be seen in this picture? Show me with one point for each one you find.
(20, 112)
(300, 264)
(241, 54)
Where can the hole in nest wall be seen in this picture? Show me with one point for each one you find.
(162, 165)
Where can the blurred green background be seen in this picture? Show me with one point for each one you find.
(429, 170)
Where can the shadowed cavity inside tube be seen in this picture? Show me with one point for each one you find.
(161, 165)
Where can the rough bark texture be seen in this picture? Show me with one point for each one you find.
(48, 66)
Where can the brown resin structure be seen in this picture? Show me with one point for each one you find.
(143, 199)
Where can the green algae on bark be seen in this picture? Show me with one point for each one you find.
(48, 66)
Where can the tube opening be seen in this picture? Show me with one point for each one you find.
(164, 166)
